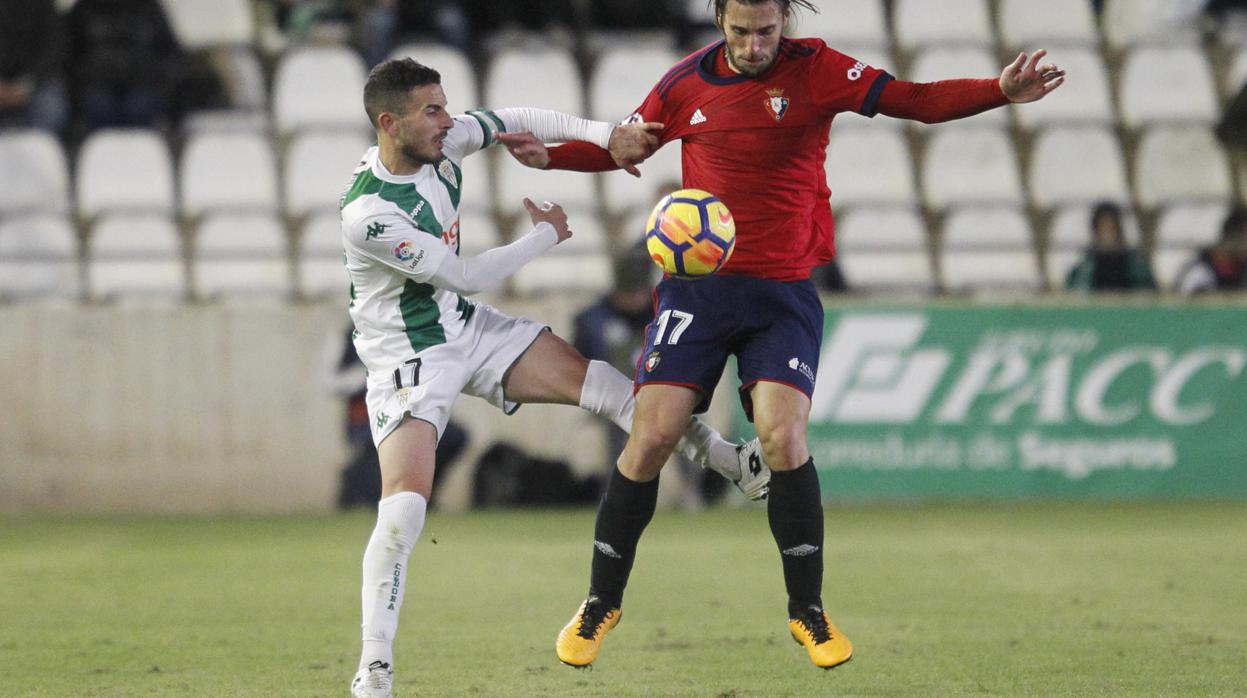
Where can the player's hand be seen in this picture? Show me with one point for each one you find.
(630, 144)
(549, 213)
(526, 148)
(1028, 81)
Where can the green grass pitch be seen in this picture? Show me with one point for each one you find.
(979, 600)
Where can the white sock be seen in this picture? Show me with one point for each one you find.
(608, 393)
(400, 517)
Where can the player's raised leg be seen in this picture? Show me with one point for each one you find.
(626, 509)
(795, 512)
(407, 464)
(552, 371)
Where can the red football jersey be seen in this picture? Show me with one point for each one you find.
(759, 144)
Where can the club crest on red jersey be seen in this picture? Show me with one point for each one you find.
(776, 103)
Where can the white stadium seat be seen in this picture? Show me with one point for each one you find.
(230, 171)
(476, 194)
(34, 172)
(1178, 164)
(241, 255)
(1169, 263)
(478, 231)
(1236, 76)
(588, 236)
(623, 76)
(136, 257)
(535, 77)
(1191, 226)
(458, 76)
(843, 22)
(584, 273)
(1084, 98)
(38, 257)
(203, 23)
(898, 229)
(970, 166)
(944, 63)
(1077, 165)
(884, 249)
(870, 167)
(925, 22)
(996, 228)
(572, 190)
(1025, 24)
(319, 87)
(1059, 263)
(318, 167)
(990, 248)
(1167, 84)
(1128, 22)
(124, 170)
(321, 270)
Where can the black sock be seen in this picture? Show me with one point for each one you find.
(625, 511)
(795, 510)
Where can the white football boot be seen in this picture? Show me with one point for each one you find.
(752, 475)
(373, 681)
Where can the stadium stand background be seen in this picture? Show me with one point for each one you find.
(236, 206)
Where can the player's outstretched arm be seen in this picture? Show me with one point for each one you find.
(488, 269)
(1026, 80)
(630, 144)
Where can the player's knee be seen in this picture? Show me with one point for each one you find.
(649, 449)
(783, 445)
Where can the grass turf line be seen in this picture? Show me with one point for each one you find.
(1041, 600)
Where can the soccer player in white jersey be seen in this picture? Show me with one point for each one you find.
(423, 342)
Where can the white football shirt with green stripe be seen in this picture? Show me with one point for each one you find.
(398, 229)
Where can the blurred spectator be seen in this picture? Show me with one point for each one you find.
(1223, 266)
(124, 64)
(1232, 130)
(441, 21)
(613, 330)
(360, 479)
(1109, 264)
(490, 15)
(633, 14)
(32, 91)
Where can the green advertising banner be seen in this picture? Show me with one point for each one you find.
(1102, 402)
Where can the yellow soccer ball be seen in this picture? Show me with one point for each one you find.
(690, 234)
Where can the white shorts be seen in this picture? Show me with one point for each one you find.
(473, 363)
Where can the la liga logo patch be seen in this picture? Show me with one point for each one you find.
(405, 250)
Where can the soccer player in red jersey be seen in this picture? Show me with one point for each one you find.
(753, 112)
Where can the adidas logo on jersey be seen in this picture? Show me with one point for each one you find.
(698, 118)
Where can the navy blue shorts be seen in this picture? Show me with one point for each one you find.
(774, 328)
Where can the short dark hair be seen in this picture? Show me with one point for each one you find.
(1105, 208)
(390, 82)
(784, 5)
